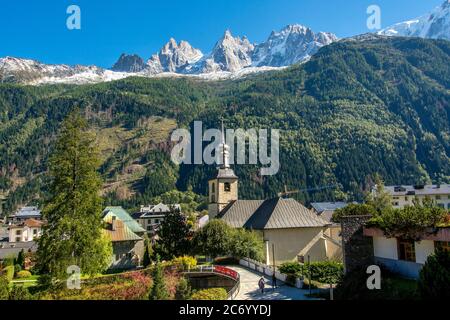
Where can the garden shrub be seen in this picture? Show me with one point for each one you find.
(210, 294)
(434, 280)
(292, 268)
(19, 293)
(326, 271)
(9, 272)
(23, 274)
(183, 290)
(184, 262)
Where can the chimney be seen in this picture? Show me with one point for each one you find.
(113, 223)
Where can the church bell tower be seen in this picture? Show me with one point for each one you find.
(223, 189)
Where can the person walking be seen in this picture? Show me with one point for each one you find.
(261, 284)
(274, 281)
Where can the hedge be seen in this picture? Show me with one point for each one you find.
(323, 271)
(23, 274)
(210, 294)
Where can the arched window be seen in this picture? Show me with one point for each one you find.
(227, 187)
(213, 188)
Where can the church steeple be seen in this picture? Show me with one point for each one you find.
(224, 188)
(224, 152)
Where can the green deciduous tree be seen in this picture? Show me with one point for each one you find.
(159, 289)
(72, 235)
(213, 239)
(217, 238)
(244, 243)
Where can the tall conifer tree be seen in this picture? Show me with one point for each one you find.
(72, 235)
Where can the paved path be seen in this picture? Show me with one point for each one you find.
(249, 287)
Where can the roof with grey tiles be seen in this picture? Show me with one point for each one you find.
(277, 213)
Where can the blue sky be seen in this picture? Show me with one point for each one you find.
(37, 29)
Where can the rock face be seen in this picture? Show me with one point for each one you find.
(229, 54)
(294, 43)
(434, 25)
(129, 63)
(173, 57)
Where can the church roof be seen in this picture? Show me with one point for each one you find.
(277, 213)
(226, 173)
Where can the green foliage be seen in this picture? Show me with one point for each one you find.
(210, 294)
(292, 268)
(184, 262)
(434, 280)
(321, 271)
(183, 290)
(72, 235)
(353, 210)
(353, 286)
(381, 199)
(21, 259)
(148, 253)
(246, 244)
(4, 288)
(159, 289)
(174, 234)
(19, 293)
(213, 239)
(23, 274)
(217, 238)
(17, 268)
(411, 222)
(327, 271)
(8, 272)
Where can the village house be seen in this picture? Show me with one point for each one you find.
(25, 231)
(291, 232)
(325, 210)
(126, 236)
(150, 217)
(406, 257)
(403, 195)
(25, 213)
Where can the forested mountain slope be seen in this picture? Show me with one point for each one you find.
(358, 107)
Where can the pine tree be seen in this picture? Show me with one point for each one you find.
(148, 253)
(159, 289)
(21, 259)
(174, 234)
(72, 234)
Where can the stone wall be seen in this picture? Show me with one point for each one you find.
(357, 249)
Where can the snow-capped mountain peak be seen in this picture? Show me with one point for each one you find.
(294, 43)
(434, 25)
(173, 57)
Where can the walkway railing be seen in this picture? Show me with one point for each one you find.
(222, 271)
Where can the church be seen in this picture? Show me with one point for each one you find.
(291, 232)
